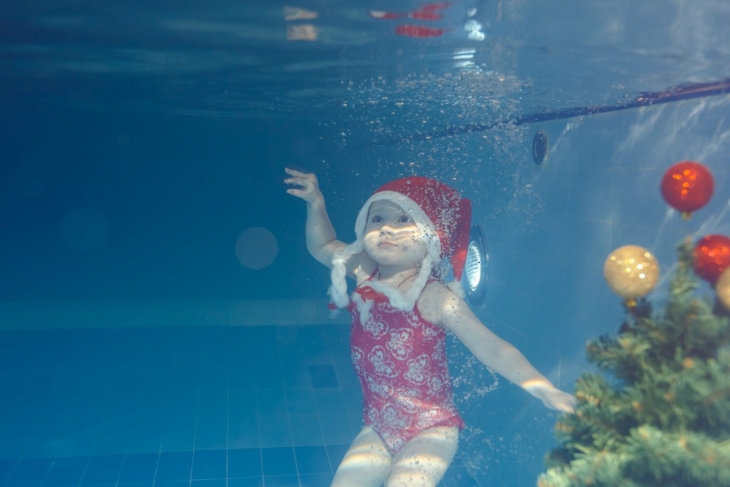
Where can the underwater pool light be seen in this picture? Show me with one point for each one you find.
(539, 147)
(475, 276)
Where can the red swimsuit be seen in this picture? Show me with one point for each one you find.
(400, 359)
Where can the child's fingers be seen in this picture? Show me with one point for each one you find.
(304, 186)
(298, 174)
(301, 175)
(295, 180)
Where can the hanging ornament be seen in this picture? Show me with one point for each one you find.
(711, 257)
(723, 288)
(687, 186)
(631, 272)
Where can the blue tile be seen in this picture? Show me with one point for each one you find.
(323, 376)
(155, 382)
(6, 468)
(295, 375)
(246, 482)
(208, 483)
(274, 431)
(209, 464)
(66, 471)
(244, 462)
(178, 439)
(211, 437)
(139, 467)
(214, 379)
(213, 405)
(188, 359)
(103, 470)
(330, 401)
(458, 460)
(242, 402)
(312, 459)
(29, 472)
(174, 466)
(112, 440)
(336, 454)
(314, 480)
(301, 401)
(145, 437)
(243, 433)
(173, 483)
(272, 402)
(244, 379)
(281, 481)
(278, 461)
(306, 431)
(161, 359)
(458, 477)
(336, 429)
(153, 411)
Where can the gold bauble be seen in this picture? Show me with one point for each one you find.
(723, 288)
(631, 272)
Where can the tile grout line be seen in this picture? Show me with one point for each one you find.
(285, 386)
(228, 417)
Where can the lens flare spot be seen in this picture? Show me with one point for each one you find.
(256, 248)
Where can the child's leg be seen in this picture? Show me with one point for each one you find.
(424, 460)
(366, 463)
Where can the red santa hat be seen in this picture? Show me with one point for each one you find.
(442, 216)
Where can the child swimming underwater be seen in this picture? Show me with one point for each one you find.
(401, 310)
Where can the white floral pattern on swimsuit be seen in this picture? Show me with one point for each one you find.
(417, 368)
(377, 327)
(407, 399)
(379, 358)
(379, 386)
(400, 343)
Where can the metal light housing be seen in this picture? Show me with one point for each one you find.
(476, 269)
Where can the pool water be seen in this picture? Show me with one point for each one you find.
(161, 321)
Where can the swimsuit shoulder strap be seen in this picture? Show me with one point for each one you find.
(370, 277)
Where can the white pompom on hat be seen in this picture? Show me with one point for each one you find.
(442, 216)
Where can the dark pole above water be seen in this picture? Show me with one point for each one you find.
(679, 93)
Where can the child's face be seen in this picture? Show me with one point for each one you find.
(391, 237)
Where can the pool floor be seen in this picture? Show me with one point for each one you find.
(179, 406)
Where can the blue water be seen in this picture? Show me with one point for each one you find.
(140, 140)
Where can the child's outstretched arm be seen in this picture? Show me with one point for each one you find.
(321, 237)
(497, 354)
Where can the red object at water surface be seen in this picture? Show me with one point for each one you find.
(431, 11)
(687, 186)
(711, 257)
(409, 30)
(426, 15)
(381, 14)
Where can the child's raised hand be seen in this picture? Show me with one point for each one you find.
(562, 401)
(553, 397)
(308, 189)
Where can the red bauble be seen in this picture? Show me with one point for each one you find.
(687, 186)
(711, 257)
